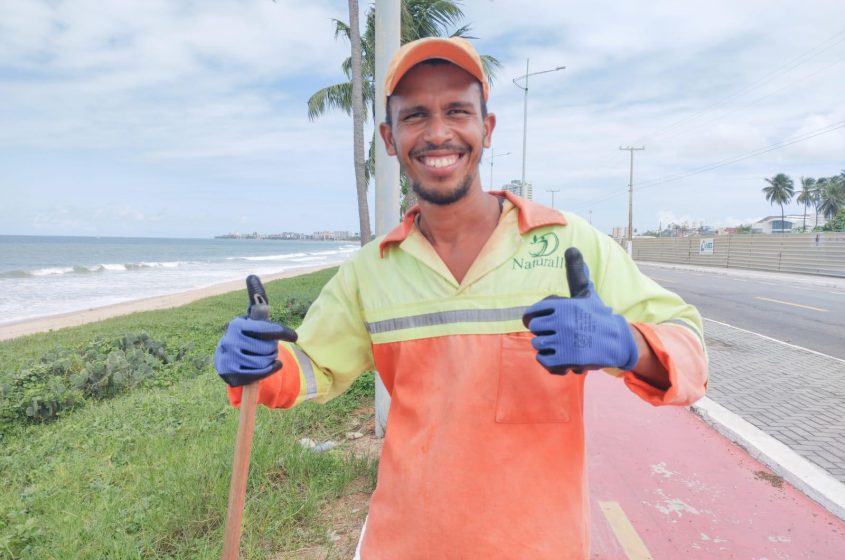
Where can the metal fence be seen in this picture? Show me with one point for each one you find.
(806, 253)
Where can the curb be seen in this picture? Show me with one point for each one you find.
(808, 478)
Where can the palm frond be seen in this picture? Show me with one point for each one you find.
(370, 164)
(463, 32)
(490, 64)
(428, 18)
(338, 96)
(341, 28)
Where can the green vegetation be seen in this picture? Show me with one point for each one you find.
(837, 223)
(825, 194)
(116, 441)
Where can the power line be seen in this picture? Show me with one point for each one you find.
(747, 155)
(766, 78)
(752, 102)
(722, 163)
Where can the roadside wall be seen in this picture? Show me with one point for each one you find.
(804, 253)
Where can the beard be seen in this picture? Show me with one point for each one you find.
(443, 199)
(431, 195)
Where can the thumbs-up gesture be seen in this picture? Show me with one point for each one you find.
(579, 332)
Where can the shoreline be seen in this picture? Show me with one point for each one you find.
(49, 323)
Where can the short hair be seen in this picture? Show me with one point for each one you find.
(436, 62)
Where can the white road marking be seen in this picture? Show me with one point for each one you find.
(792, 304)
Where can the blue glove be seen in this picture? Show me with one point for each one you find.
(579, 332)
(248, 350)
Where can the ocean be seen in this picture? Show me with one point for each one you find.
(41, 275)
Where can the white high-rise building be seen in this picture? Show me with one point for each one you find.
(516, 187)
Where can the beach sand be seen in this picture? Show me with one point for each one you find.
(74, 318)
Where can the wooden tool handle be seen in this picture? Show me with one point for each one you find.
(240, 469)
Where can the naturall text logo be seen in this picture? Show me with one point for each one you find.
(541, 249)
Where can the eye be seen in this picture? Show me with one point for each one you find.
(413, 116)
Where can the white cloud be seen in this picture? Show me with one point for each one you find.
(204, 102)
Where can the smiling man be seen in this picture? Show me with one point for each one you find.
(482, 312)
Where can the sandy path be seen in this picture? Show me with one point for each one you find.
(74, 318)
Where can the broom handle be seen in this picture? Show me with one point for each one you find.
(240, 469)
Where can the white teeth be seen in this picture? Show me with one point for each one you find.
(441, 161)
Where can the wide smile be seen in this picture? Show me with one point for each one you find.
(440, 164)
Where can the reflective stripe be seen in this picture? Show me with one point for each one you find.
(447, 317)
(690, 327)
(308, 371)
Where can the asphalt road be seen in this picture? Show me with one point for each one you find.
(773, 305)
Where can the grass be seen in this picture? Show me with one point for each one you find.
(145, 474)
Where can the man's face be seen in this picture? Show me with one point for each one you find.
(437, 131)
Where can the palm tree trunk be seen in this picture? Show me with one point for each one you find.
(781, 219)
(804, 229)
(358, 117)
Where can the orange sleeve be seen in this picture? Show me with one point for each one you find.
(278, 390)
(679, 351)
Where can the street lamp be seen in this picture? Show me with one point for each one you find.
(525, 108)
(493, 154)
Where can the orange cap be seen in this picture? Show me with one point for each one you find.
(459, 52)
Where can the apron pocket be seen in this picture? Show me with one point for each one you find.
(528, 393)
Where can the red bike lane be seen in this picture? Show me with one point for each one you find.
(665, 485)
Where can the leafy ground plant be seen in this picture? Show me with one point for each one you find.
(142, 470)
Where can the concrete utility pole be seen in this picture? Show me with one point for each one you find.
(631, 199)
(525, 110)
(387, 168)
(553, 191)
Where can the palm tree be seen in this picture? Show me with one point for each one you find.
(358, 117)
(419, 18)
(832, 197)
(806, 195)
(779, 191)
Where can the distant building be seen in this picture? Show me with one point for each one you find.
(342, 235)
(790, 223)
(516, 187)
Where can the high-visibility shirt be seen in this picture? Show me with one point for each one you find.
(484, 451)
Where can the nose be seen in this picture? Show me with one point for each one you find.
(438, 131)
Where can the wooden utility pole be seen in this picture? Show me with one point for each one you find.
(631, 198)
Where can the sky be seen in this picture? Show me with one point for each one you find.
(188, 118)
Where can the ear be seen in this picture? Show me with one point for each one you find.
(489, 125)
(387, 135)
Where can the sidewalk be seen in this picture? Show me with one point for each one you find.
(664, 485)
(783, 403)
(792, 394)
(781, 277)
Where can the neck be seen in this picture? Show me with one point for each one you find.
(475, 214)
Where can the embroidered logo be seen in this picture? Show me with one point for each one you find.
(544, 245)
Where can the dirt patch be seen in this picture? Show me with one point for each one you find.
(344, 516)
(773, 479)
(368, 445)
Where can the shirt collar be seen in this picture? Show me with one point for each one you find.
(531, 216)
